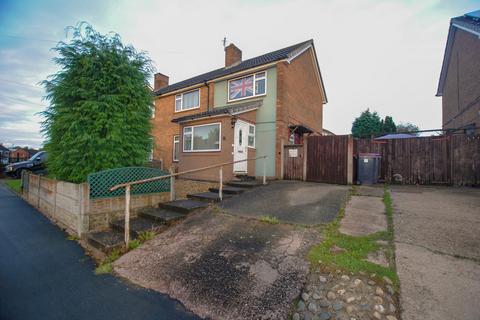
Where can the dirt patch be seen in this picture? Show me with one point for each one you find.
(225, 267)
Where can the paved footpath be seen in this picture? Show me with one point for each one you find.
(45, 276)
(437, 240)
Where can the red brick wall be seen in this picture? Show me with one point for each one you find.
(195, 160)
(164, 130)
(299, 98)
(462, 84)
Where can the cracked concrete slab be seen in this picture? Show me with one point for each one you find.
(363, 216)
(224, 267)
(437, 243)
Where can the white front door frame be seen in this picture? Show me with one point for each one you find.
(240, 146)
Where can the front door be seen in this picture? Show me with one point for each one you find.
(240, 150)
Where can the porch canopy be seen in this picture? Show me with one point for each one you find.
(221, 111)
(300, 129)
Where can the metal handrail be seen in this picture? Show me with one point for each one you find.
(128, 185)
(122, 185)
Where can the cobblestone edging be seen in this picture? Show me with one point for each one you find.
(343, 296)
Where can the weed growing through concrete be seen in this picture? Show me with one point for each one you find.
(269, 219)
(133, 244)
(72, 237)
(356, 249)
(106, 265)
(146, 235)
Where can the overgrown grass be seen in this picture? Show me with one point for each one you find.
(146, 235)
(353, 259)
(269, 219)
(72, 237)
(133, 244)
(106, 265)
(14, 184)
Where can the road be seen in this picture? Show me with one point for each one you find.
(45, 276)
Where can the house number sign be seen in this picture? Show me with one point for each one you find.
(293, 153)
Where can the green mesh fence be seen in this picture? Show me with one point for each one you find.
(101, 182)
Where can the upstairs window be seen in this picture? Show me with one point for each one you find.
(246, 87)
(187, 101)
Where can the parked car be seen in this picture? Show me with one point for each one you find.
(35, 164)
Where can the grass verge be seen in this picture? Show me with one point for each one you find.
(14, 184)
(356, 249)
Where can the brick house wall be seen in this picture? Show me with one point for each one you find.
(299, 99)
(164, 130)
(461, 92)
(194, 160)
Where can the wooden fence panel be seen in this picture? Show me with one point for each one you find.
(329, 158)
(293, 162)
(451, 159)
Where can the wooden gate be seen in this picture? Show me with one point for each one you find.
(293, 159)
(329, 159)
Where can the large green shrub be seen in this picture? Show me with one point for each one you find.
(100, 106)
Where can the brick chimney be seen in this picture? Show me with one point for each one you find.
(160, 81)
(233, 55)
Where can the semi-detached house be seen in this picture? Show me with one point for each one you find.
(248, 108)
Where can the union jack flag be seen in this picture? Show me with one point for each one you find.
(241, 88)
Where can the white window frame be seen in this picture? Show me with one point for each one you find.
(176, 140)
(193, 134)
(180, 98)
(250, 134)
(254, 81)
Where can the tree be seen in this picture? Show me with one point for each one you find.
(407, 127)
(100, 106)
(388, 126)
(367, 124)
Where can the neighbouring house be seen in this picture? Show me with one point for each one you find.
(4, 155)
(459, 84)
(396, 136)
(246, 109)
(18, 154)
(326, 132)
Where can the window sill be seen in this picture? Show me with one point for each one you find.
(175, 111)
(247, 98)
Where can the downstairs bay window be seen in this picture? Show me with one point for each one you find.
(200, 138)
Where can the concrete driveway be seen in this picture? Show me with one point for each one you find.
(45, 276)
(437, 239)
(297, 202)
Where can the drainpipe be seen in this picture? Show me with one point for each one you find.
(208, 94)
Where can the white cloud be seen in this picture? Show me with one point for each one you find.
(385, 55)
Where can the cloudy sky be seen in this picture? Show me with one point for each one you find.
(383, 55)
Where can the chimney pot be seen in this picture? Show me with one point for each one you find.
(160, 81)
(233, 55)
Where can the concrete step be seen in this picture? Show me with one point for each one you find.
(184, 206)
(161, 215)
(138, 225)
(244, 177)
(105, 241)
(208, 196)
(245, 184)
(229, 190)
